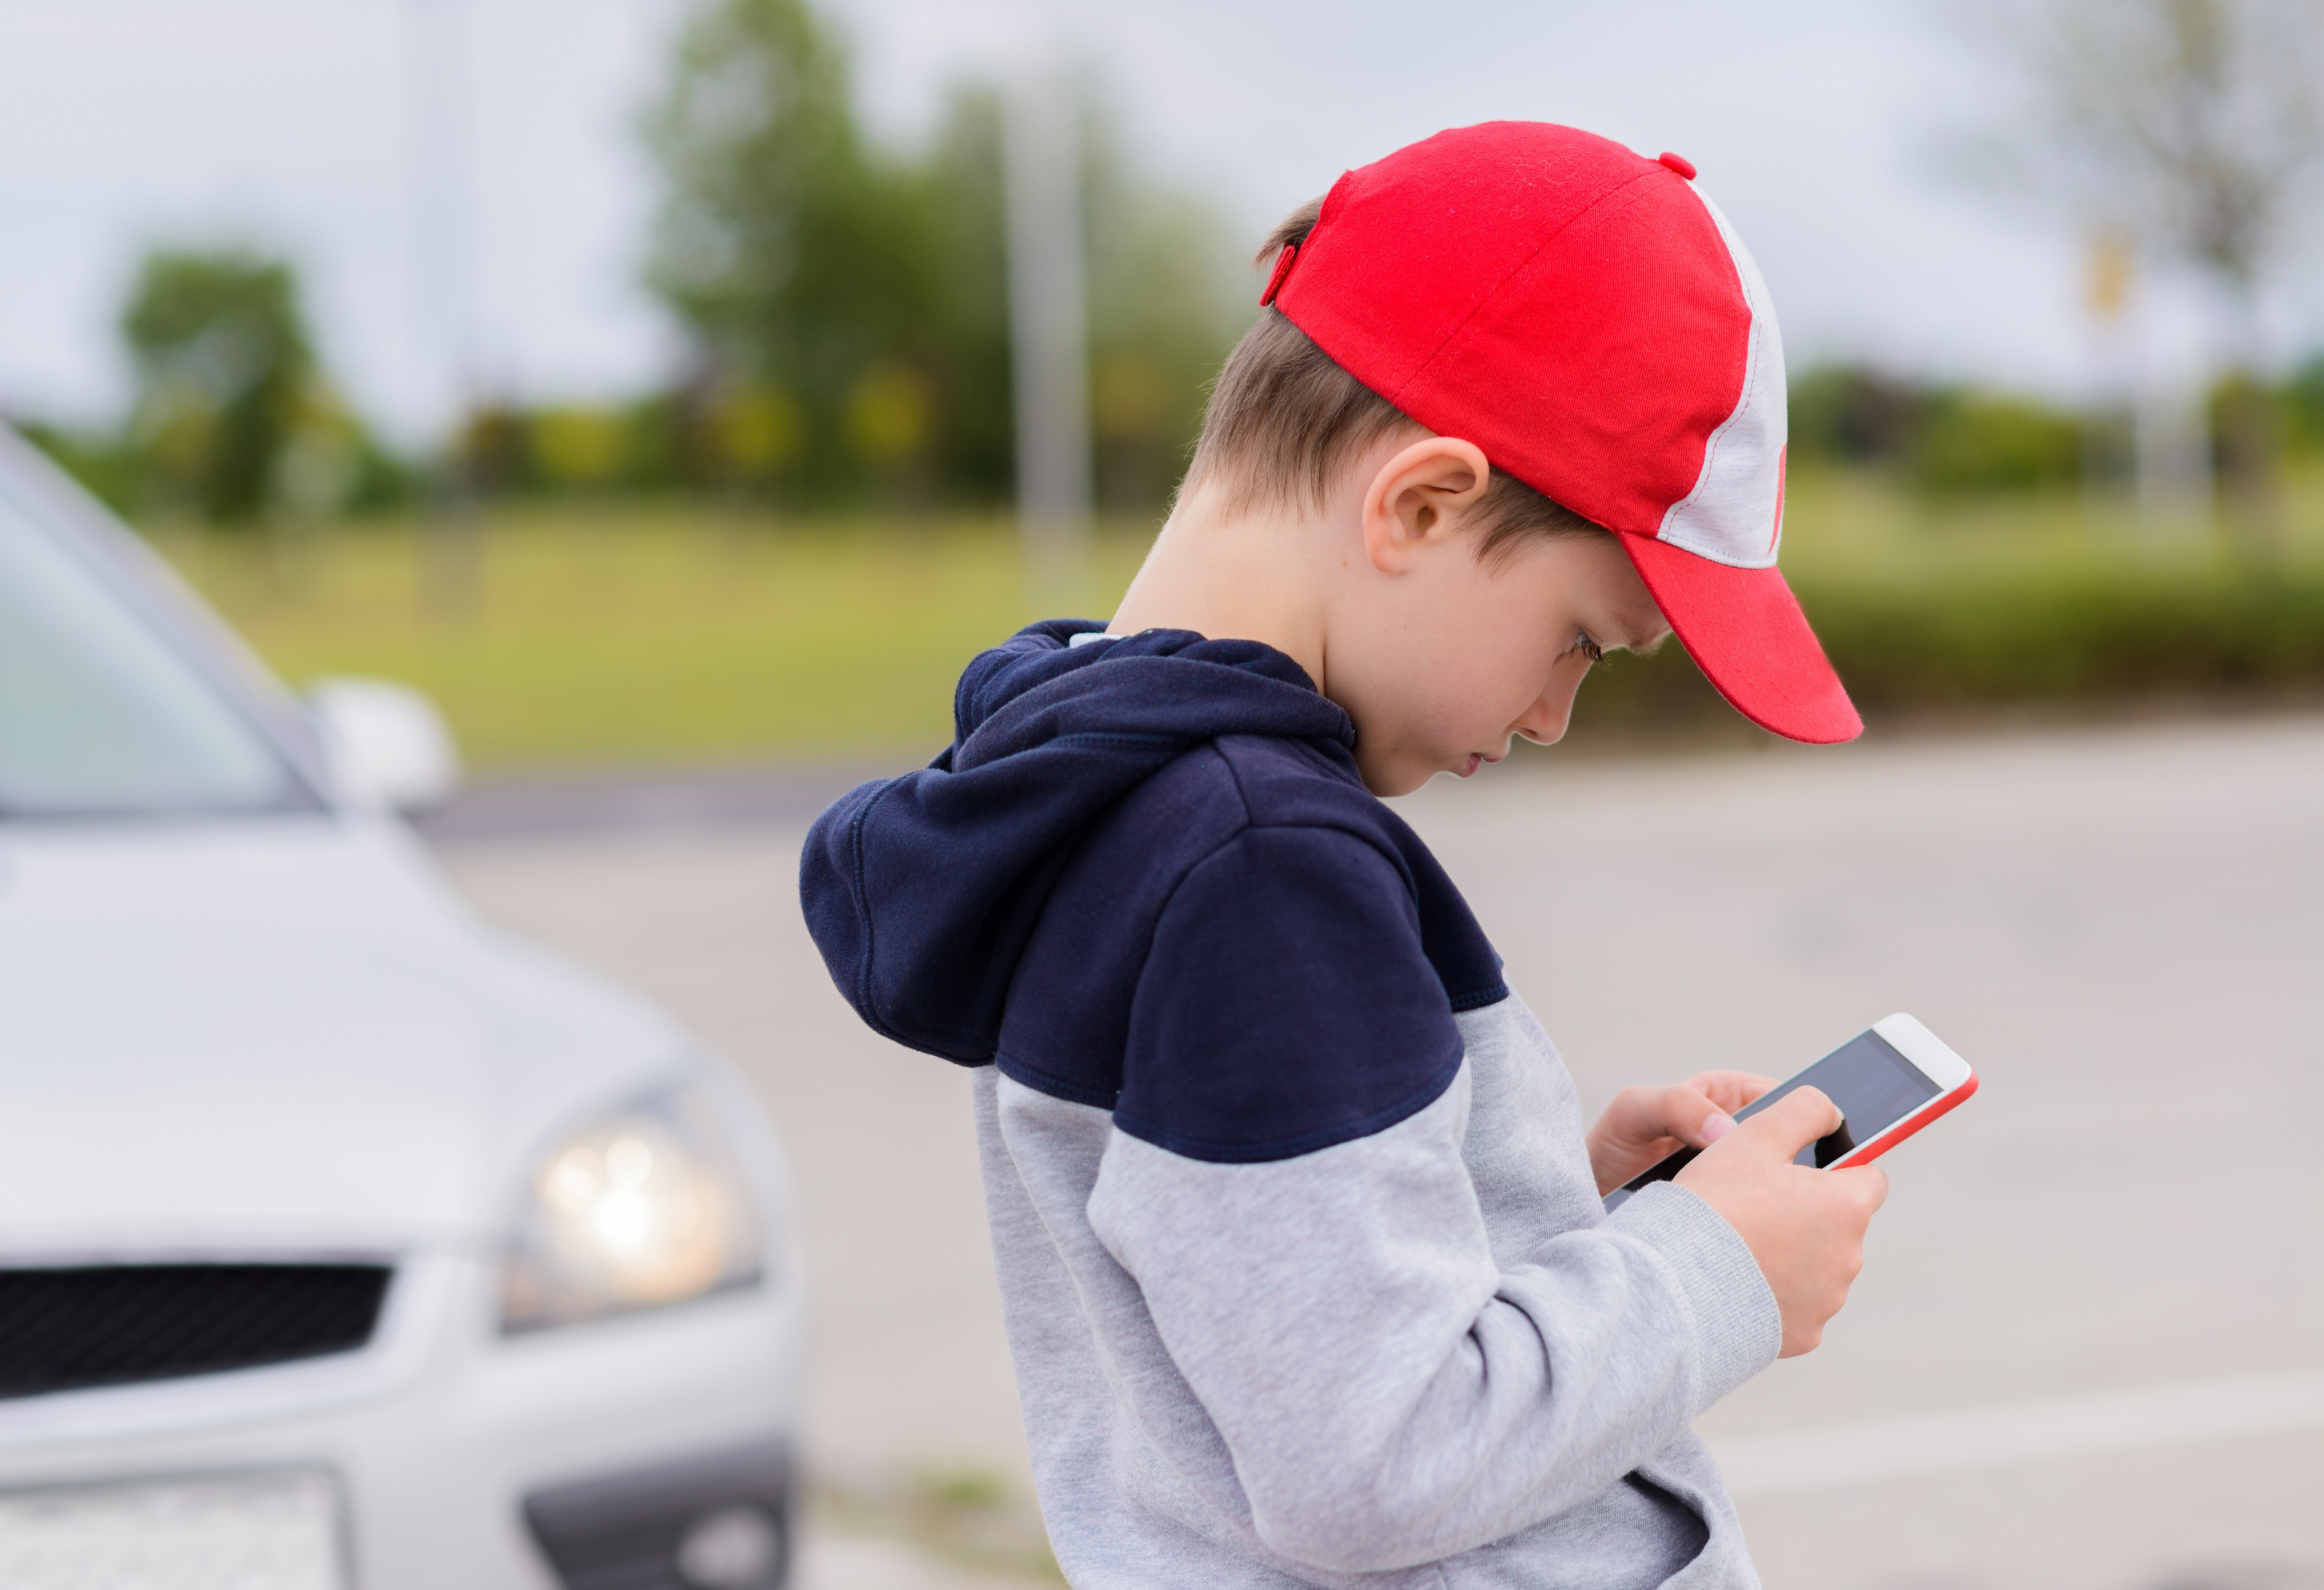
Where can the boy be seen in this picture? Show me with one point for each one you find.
(1306, 1277)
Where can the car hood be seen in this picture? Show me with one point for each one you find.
(279, 1033)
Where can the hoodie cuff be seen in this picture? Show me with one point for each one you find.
(1738, 1327)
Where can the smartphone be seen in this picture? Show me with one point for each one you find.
(1889, 1081)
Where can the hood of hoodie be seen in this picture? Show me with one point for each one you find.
(922, 891)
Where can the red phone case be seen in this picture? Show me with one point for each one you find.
(1864, 1154)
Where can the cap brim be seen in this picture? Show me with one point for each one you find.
(1745, 631)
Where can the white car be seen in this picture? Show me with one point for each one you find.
(345, 1244)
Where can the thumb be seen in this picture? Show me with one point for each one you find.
(1691, 1116)
(1792, 1122)
(1649, 1114)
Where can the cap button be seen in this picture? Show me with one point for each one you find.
(1679, 163)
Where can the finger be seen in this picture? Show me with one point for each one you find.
(1731, 1090)
(1693, 1117)
(1628, 1118)
(1794, 1121)
(1867, 1183)
(1652, 1114)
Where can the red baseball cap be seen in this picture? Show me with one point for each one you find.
(1591, 321)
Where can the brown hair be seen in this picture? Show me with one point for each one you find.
(1284, 417)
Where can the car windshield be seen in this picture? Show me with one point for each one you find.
(100, 711)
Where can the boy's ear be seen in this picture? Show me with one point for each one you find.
(1422, 498)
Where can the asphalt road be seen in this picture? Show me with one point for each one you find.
(2087, 1351)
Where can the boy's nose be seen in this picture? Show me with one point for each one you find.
(1545, 722)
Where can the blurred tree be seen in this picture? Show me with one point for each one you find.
(1163, 308)
(2304, 405)
(227, 382)
(795, 252)
(855, 300)
(960, 188)
(2196, 127)
(1166, 302)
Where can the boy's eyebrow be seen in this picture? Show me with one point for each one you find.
(1643, 629)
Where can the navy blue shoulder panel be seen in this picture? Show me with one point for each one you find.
(1287, 1006)
(1280, 784)
(1247, 958)
(1067, 1018)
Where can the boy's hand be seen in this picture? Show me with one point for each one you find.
(1646, 1125)
(1805, 1226)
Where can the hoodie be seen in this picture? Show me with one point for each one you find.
(1305, 1272)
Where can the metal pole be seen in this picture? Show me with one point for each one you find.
(2109, 447)
(2174, 453)
(1048, 337)
(438, 138)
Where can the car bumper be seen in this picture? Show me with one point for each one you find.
(443, 1434)
(719, 1522)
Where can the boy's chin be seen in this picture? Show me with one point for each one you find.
(1398, 776)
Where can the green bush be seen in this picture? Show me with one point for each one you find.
(1944, 441)
(2303, 407)
(2007, 637)
(1972, 442)
(1848, 414)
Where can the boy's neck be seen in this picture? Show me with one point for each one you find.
(1251, 575)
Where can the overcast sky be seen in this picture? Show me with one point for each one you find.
(284, 122)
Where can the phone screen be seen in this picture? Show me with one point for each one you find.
(1874, 1086)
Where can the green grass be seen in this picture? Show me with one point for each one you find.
(674, 633)
(654, 634)
(971, 1517)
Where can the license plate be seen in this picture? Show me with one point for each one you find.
(250, 1532)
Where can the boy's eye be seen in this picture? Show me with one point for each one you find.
(1589, 648)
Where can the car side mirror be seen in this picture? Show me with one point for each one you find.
(387, 742)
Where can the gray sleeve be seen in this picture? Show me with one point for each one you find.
(1389, 1394)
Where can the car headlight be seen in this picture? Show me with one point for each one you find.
(639, 1210)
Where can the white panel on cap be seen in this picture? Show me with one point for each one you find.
(1730, 516)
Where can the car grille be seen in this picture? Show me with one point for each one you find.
(106, 1324)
